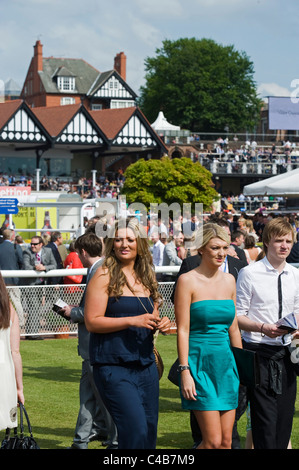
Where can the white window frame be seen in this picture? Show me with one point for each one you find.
(117, 104)
(67, 100)
(66, 83)
(113, 83)
(96, 106)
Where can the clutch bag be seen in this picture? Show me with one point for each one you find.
(248, 366)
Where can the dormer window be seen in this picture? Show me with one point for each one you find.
(65, 80)
(66, 83)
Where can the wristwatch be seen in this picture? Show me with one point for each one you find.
(181, 368)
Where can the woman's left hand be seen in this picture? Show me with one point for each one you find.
(163, 325)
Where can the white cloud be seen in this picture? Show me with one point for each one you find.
(164, 9)
(272, 89)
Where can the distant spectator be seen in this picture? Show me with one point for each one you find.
(294, 255)
(251, 250)
(56, 241)
(73, 261)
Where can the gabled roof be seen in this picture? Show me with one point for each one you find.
(111, 121)
(70, 124)
(85, 74)
(19, 124)
(55, 118)
(127, 127)
(7, 110)
(103, 78)
(77, 127)
(63, 72)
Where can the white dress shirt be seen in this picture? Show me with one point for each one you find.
(158, 249)
(257, 297)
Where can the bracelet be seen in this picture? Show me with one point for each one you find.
(262, 334)
(181, 368)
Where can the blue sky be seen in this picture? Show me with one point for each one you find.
(96, 30)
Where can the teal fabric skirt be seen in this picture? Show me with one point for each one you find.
(211, 360)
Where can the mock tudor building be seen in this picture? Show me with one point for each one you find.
(58, 81)
(72, 120)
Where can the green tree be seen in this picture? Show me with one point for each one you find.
(201, 85)
(166, 180)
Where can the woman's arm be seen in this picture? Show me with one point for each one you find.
(15, 351)
(96, 301)
(182, 302)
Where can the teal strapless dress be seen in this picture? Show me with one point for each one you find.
(211, 360)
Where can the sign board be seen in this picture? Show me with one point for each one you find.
(15, 191)
(8, 205)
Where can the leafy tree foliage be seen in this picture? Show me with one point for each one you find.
(166, 180)
(201, 86)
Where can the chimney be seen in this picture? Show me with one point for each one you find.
(38, 56)
(120, 64)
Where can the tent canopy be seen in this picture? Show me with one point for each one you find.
(286, 185)
(161, 124)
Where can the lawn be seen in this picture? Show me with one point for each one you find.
(51, 385)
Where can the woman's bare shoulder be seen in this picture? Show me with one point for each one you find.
(100, 277)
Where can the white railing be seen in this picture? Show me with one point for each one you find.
(221, 166)
(34, 303)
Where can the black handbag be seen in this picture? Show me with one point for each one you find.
(19, 441)
(248, 366)
(173, 374)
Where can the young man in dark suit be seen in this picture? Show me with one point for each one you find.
(94, 421)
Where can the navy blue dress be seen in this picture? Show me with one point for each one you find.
(126, 375)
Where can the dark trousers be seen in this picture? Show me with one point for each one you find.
(272, 411)
(131, 395)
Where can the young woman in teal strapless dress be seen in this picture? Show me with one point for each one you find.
(207, 328)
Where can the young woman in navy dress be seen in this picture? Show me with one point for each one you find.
(121, 312)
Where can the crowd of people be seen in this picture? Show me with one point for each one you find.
(249, 150)
(108, 186)
(227, 294)
(250, 153)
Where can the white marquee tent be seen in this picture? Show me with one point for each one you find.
(285, 185)
(161, 124)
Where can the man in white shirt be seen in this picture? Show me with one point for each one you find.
(158, 249)
(266, 291)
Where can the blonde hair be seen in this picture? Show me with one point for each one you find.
(249, 225)
(209, 231)
(143, 266)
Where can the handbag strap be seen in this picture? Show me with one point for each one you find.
(23, 410)
(7, 433)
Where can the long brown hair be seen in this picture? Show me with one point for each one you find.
(143, 267)
(4, 305)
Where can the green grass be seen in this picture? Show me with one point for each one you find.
(51, 370)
